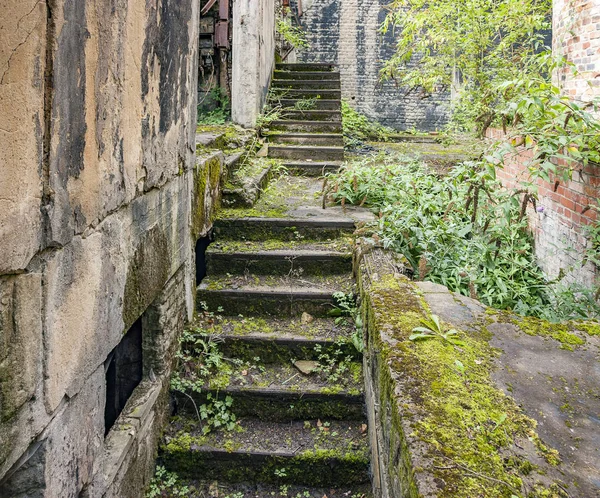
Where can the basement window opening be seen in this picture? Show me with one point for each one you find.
(124, 372)
(201, 246)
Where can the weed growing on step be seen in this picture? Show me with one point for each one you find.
(463, 230)
(333, 366)
(217, 414)
(165, 484)
(345, 309)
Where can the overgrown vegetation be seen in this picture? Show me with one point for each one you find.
(291, 33)
(470, 47)
(166, 484)
(462, 230)
(222, 108)
(358, 128)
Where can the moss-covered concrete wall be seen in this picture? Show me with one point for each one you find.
(100, 206)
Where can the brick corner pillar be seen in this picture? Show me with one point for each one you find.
(576, 36)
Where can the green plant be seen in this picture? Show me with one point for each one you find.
(281, 472)
(306, 104)
(463, 231)
(433, 328)
(332, 366)
(345, 307)
(220, 114)
(198, 355)
(358, 128)
(468, 45)
(217, 414)
(293, 35)
(165, 484)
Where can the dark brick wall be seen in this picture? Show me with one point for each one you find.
(346, 32)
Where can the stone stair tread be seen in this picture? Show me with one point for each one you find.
(311, 329)
(333, 104)
(342, 245)
(342, 437)
(297, 200)
(221, 489)
(301, 134)
(302, 66)
(308, 285)
(284, 379)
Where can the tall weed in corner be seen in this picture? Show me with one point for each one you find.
(462, 230)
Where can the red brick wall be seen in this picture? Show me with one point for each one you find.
(576, 35)
(563, 210)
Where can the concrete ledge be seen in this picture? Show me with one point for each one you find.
(508, 411)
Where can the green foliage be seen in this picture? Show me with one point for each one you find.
(463, 231)
(166, 484)
(433, 328)
(470, 46)
(198, 356)
(333, 366)
(357, 127)
(217, 414)
(293, 35)
(219, 115)
(551, 132)
(345, 307)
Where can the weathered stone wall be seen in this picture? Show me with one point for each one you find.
(345, 32)
(253, 58)
(98, 194)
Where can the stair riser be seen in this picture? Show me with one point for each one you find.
(260, 230)
(306, 126)
(302, 468)
(266, 264)
(281, 406)
(301, 67)
(306, 84)
(324, 104)
(264, 304)
(314, 139)
(306, 75)
(310, 170)
(316, 154)
(311, 115)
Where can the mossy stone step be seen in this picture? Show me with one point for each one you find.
(247, 192)
(265, 295)
(223, 489)
(259, 229)
(300, 453)
(318, 153)
(304, 84)
(305, 66)
(287, 74)
(308, 93)
(277, 262)
(321, 103)
(278, 341)
(306, 138)
(312, 114)
(277, 404)
(310, 126)
(312, 168)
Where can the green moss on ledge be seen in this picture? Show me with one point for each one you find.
(472, 430)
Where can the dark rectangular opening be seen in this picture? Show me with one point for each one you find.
(124, 371)
(201, 246)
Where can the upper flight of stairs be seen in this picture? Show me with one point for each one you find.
(308, 138)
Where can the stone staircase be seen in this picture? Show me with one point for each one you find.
(291, 374)
(309, 136)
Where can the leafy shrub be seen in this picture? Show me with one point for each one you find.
(463, 231)
(358, 128)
